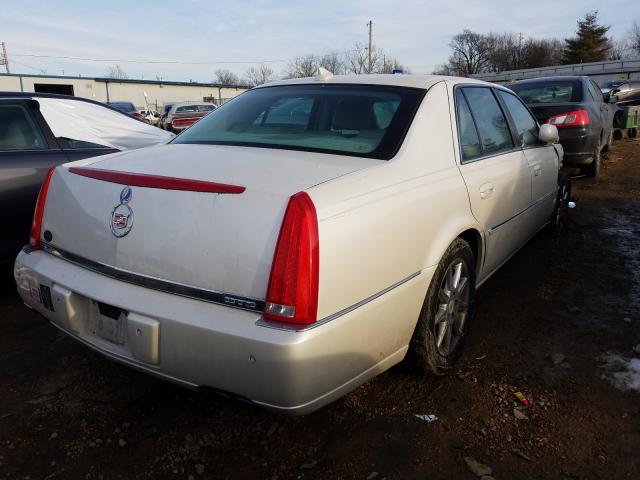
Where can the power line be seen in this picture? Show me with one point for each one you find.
(155, 62)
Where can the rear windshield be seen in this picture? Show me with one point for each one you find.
(123, 106)
(194, 108)
(358, 120)
(551, 91)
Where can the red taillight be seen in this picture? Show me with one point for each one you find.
(292, 295)
(579, 118)
(36, 225)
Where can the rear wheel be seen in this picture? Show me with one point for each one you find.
(593, 169)
(447, 312)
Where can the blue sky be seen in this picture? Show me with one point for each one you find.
(416, 32)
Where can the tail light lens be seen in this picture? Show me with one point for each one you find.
(292, 295)
(36, 225)
(578, 118)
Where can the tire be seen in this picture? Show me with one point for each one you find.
(609, 145)
(593, 169)
(559, 215)
(429, 350)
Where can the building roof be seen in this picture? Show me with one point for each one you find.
(126, 80)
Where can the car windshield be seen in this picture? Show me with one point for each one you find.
(358, 120)
(123, 106)
(551, 91)
(194, 108)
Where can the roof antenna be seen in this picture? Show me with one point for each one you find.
(323, 75)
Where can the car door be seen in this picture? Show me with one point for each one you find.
(496, 173)
(27, 151)
(543, 160)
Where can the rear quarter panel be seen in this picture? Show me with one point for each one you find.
(383, 224)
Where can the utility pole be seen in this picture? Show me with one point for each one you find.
(5, 60)
(370, 25)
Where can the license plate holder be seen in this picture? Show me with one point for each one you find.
(108, 322)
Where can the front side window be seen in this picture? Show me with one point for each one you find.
(358, 120)
(492, 126)
(18, 131)
(524, 123)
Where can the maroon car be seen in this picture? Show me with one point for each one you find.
(183, 115)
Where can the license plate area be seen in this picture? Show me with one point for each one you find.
(108, 322)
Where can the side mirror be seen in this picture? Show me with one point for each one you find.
(614, 91)
(548, 134)
(612, 99)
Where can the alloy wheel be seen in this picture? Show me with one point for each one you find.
(453, 307)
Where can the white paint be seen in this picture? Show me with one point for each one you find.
(94, 123)
(622, 372)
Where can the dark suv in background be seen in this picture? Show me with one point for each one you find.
(578, 108)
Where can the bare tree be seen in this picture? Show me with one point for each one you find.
(619, 49)
(258, 75)
(333, 62)
(226, 77)
(471, 52)
(635, 36)
(357, 59)
(116, 71)
(300, 67)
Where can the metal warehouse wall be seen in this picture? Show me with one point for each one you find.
(102, 90)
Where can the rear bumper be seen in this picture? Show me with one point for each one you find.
(200, 344)
(579, 145)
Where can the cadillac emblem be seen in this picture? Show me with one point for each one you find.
(122, 215)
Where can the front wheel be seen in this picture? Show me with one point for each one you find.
(447, 312)
(559, 215)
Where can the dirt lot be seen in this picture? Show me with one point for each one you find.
(543, 324)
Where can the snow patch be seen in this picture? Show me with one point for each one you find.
(622, 372)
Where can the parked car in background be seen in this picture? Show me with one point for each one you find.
(627, 93)
(129, 109)
(163, 116)
(38, 131)
(151, 116)
(184, 114)
(606, 88)
(300, 239)
(577, 107)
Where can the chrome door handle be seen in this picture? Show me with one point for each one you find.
(486, 190)
(536, 170)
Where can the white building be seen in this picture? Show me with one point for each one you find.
(141, 93)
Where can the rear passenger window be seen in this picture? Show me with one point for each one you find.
(525, 125)
(469, 141)
(18, 130)
(492, 126)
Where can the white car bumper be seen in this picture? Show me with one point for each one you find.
(201, 344)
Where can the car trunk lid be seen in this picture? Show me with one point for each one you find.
(223, 242)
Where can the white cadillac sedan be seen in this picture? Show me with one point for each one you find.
(299, 240)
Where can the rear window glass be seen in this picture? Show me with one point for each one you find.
(18, 131)
(551, 91)
(123, 106)
(194, 108)
(358, 120)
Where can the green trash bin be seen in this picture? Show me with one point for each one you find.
(628, 117)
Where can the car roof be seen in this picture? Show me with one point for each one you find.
(49, 95)
(565, 78)
(413, 81)
(186, 104)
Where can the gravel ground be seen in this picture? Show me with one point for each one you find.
(555, 324)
